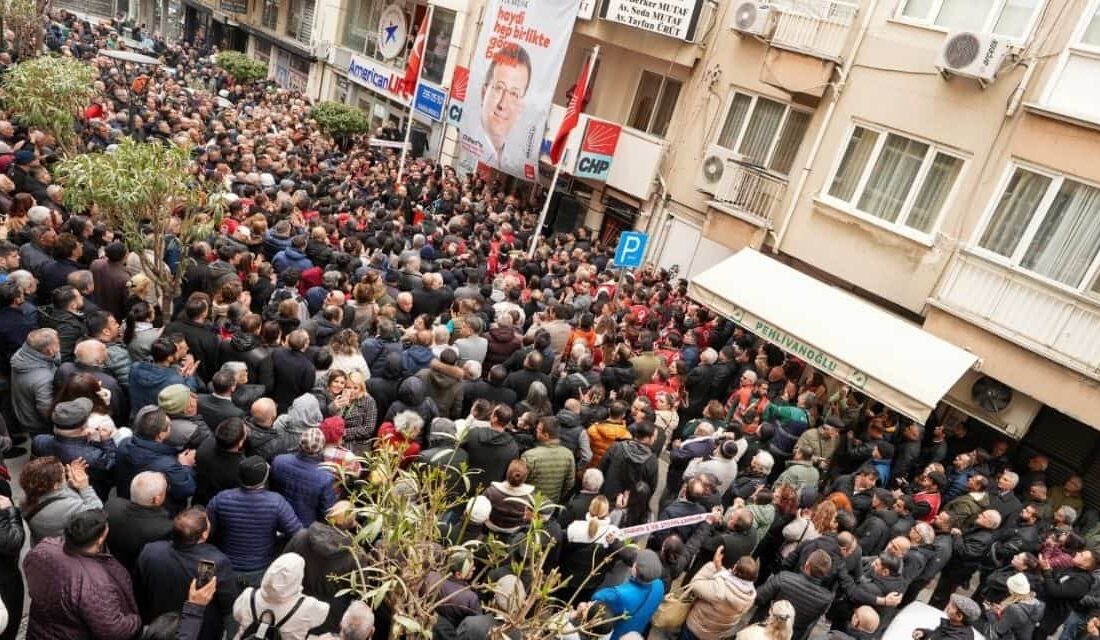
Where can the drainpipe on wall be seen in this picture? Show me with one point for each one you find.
(838, 88)
(655, 215)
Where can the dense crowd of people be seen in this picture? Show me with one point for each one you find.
(190, 450)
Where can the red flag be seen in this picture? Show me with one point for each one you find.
(572, 114)
(416, 57)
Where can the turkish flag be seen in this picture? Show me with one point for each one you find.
(416, 58)
(572, 115)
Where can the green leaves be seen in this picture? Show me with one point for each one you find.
(48, 92)
(339, 120)
(244, 69)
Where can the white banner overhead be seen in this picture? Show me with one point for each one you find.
(512, 78)
(673, 18)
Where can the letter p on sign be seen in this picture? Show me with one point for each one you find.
(631, 249)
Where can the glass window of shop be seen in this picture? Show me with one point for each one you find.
(269, 19)
(360, 34)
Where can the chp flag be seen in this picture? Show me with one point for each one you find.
(598, 146)
(459, 83)
(514, 71)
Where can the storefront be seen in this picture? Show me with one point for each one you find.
(375, 88)
(852, 341)
(288, 64)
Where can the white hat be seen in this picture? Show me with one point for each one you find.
(1019, 585)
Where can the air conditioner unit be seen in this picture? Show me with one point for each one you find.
(714, 168)
(994, 403)
(973, 55)
(752, 17)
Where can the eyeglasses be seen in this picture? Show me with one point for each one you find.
(501, 89)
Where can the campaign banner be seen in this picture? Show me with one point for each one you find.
(513, 74)
(597, 150)
(429, 101)
(661, 525)
(673, 18)
(459, 82)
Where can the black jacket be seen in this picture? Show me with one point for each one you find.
(874, 533)
(968, 550)
(268, 443)
(165, 572)
(132, 527)
(70, 328)
(327, 552)
(810, 599)
(473, 390)
(520, 381)
(490, 452)
(625, 463)
(215, 470)
(216, 410)
(202, 342)
(294, 375)
(247, 348)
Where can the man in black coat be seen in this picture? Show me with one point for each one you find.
(201, 341)
(1063, 590)
(217, 407)
(968, 550)
(735, 534)
(490, 449)
(492, 389)
(295, 373)
(520, 381)
(140, 520)
(166, 569)
(803, 589)
(218, 460)
(628, 462)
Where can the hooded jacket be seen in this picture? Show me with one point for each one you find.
(327, 552)
(443, 383)
(47, 518)
(290, 258)
(416, 358)
(32, 389)
(148, 379)
(1017, 622)
(279, 591)
(412, 396)
(720, 601)
(625, 464)
(305, 413)
(273, 244)
(503, 342)
(574, 437)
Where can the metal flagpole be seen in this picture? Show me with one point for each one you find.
(564, 156)
(416, 88)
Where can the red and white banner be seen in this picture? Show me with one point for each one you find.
(460, 82)
(513, 74)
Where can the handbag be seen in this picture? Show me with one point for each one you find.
(673, 610)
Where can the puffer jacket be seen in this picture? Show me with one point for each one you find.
(138, 454)
(305, 484)
(290, 258)
(509, 505)
(503, 342)
(280, 591)
(70, 328)
(245, 522)
(32, 376)
(249, 349)
(550, 470)
(810, 599)
(720, 601)
(602, 435)
(327, 552)
(273, 244)
(270, 442)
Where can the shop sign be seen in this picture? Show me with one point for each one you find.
(459, 83)
(586, 9)
(234, 6)
(597, 150)
(429, 101)
(393, 32)
(673, 18)
(377, 77)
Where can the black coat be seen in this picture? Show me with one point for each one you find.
(70, 327)
(490, 452)
(215, 410)
(165, 572)
(810, 599)
(473, 390)
(625, 463)
(215, 470)
(12, 536)
(294, 375)
(327, 553)
(247, 348)
(202, 343)
(520, 381)
(131, 527)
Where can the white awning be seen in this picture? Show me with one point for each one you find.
(871, 350)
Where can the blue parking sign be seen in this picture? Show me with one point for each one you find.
(631, 249)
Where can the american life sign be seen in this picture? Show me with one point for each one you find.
(673, 18)
(377, 77)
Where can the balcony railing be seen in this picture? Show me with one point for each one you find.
(1059, 325)
(815, 27)
(750, 193)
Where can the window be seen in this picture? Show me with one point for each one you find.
(765, 132)
(299, 20)
(270, 16)
(262, 50)
(1047, 224)
(654, 103)
(898, 180)
(360, 24)
(1074, 89)
(1011, 18)
(439, 44)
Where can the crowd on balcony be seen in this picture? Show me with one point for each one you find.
(185, 446)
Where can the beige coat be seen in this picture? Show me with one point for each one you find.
(720, 601)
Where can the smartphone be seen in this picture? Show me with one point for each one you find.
(207, 571)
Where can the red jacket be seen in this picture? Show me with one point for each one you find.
(388, 435)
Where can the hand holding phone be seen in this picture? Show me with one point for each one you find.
(206, 572)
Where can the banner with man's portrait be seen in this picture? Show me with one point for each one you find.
(513, 74)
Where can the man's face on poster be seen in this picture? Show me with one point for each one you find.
(502, 100)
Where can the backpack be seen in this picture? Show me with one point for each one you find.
(263, 626)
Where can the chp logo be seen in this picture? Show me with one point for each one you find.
(597, 149)
(460, 82)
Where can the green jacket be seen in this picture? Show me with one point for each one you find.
(780, 413)
(798, 474)
(550, 468)
(823, 449)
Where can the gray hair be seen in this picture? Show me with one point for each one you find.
(358, 622)
(90, 353)
(1068, 513)
(764, 461)
(592, 480)
(408, 423)
(81, 280)
(38, 214)
(473, 369)
(41, 339)
(146, 487)
(926, 532)
(234, 367)
(441, 335)
(23, 278)
(709, 356)
(1012, 477)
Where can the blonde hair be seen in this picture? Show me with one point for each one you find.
(780, 622)
(597, 510)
